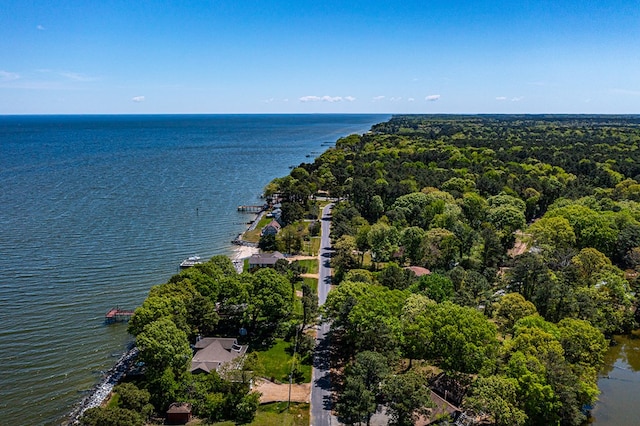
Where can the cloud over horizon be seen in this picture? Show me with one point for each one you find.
(76, 76)
(432, 98)
(326, 98)
(138, 99)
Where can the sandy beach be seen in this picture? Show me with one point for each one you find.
(243, 252)
(240, 253)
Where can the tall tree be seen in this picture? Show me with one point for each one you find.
(163, 345)
(408, 397)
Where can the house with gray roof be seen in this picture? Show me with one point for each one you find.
(213, 352)
(271, 229)
(265, 260)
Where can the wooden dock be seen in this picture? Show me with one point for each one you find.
(252, 209)
(117, 315)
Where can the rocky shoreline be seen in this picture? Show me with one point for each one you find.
(102, 390)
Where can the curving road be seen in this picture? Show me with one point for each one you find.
(321, 402)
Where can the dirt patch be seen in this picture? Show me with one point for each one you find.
(301, 257)
(272, 392)
(520, 246)
(316, 276)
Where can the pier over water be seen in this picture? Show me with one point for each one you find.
(252, 209)
(117, 315)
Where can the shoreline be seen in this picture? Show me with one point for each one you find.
(240, 254)
(100, 392)
(244, 249)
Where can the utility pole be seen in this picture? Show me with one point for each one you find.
(293, 363)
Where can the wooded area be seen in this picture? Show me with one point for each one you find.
(522, 331)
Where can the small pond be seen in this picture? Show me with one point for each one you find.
(619, 383)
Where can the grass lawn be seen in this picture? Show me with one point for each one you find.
(254, 236)
(315, 245)
(276, 414)
(310, 264)
(276, 362)
(311, 282)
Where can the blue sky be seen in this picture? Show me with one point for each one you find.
(245, 56)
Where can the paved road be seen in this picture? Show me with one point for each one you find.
(320, 379)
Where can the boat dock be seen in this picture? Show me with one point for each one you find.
(117, 315)
(252, 209)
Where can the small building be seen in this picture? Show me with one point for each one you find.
(418, 270)
(179, 413)
(213, 352)
(272, 228)
(265, 260)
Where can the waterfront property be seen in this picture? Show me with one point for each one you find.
(265, 260)
(213, 352)
(272, 228)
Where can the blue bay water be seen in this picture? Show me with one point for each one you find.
(94, 210)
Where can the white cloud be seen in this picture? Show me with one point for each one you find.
(516, 99)
(411, 100)
(394, 99)
(432, 98)
(268, 101)
(349, 98)
(75, 76)
(501, 98)
(321, 99)
(138, 99)
(378, 98)
(8, 76)
(40, 28)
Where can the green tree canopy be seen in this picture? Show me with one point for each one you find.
(163, 345)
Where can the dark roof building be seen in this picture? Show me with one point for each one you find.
(179, 413)
(265, 260)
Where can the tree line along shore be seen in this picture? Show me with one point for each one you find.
(506, 336)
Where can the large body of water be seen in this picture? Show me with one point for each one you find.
(94, 210)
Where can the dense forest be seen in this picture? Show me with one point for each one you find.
(529, 227)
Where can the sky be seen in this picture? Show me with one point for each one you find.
(323, 56)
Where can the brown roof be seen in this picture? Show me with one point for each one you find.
(179, 407)
(418, 270)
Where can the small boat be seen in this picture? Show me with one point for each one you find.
(190, 261)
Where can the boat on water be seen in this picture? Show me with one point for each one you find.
(190, 261)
